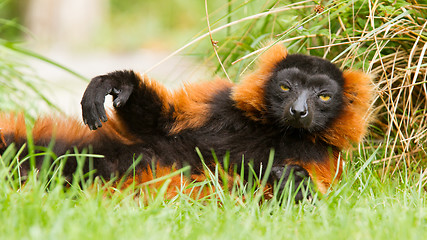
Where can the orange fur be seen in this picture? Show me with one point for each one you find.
(3, 143)
(62, 128)
(113, 129)
(148, 180)
(12, 124)
(250, 92)
(326, 173)
(350, 127)
(191, 103)
(59, 128)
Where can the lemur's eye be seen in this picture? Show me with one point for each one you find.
(284, 88)
(324, 97)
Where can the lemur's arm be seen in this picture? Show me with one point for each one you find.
(140, 104)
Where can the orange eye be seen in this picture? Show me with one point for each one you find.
(325, 98)
(284, 88)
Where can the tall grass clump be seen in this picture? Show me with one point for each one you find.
(363, 206)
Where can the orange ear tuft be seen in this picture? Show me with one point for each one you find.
(268, 60)
(249, 94)
(351, 125)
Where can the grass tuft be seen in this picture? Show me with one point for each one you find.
(361, 206)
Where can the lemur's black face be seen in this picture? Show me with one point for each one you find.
(304, 93)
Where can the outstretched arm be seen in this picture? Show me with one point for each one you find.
(140, 104)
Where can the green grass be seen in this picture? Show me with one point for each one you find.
(362, 206)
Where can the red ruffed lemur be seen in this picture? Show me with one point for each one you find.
(302, 107)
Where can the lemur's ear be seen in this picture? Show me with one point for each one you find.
(268, 60)
(249, 94)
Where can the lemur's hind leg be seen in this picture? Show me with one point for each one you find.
(293, 176)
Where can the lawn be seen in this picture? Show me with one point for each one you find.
(361, 206)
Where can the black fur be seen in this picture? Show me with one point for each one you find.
(131, 99)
